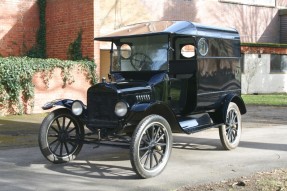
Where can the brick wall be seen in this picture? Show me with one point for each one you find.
(64, 19)
(263, 50)
(19, 22)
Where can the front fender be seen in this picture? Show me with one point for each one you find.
(67, 103)
(141, 110)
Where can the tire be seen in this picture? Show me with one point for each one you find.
(230, 133)
(60, 137)
(151, 146)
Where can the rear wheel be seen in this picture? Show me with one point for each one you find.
(151, 146)
(60, 136)
(230, 133)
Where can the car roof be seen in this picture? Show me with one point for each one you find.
(170, 27)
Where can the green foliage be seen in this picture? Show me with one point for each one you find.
(39, 50)
(16, 77)
(75, 48)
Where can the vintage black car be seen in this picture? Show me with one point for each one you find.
(165, 77)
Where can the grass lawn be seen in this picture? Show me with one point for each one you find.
(266, 99)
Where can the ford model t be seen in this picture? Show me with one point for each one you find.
(165, 77)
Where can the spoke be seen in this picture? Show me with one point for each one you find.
(66, 147)
(71, 143)
(52, 127)
(230, 117)
(229, 134)
(159, 138)
(67, 127)
(58, 123)
(72, 130)
(146, 160)
(63, 124)
(155, 157)
(52, 135)
(144, 148)
(234, 117)
(161, 154)
(150, 160)
(157, 132)
(53, 142)
(56, 147)
(145, 141)
(61, 149)
(152, 133)
(147, 135)
(232, 137)
(228, 129)
(234, 133)
(146, 153)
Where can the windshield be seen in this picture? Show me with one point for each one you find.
(147, 53)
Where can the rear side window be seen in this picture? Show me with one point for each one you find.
(187, 51)
(184, 48)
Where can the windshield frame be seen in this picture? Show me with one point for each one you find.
(116, 44)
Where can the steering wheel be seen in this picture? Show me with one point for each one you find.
(139, 60)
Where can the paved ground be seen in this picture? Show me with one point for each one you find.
(195, 159)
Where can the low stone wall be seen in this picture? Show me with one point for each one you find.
(75, 90)
(55, 90)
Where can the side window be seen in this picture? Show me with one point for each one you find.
(187, 51)
(184, 48)
(126, 51)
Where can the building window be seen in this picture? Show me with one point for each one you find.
(267, 3)
(242, 63)
(278, 63)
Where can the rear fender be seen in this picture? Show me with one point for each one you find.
(141, 110)
(235, 99)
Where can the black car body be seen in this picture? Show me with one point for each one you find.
(166, 76)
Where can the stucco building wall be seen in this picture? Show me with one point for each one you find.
(254, 23)
(257, 76)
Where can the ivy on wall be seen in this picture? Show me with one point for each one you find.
(16, 77)
(39, 49)
(75, 48)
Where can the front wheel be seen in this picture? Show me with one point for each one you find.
(60, 137)
(230, 133)
(151, 146)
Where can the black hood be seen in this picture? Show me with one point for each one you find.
(125, 87)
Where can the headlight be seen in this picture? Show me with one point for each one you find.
(77, 108)
(121, 109)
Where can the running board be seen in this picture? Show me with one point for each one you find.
(194, 123)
